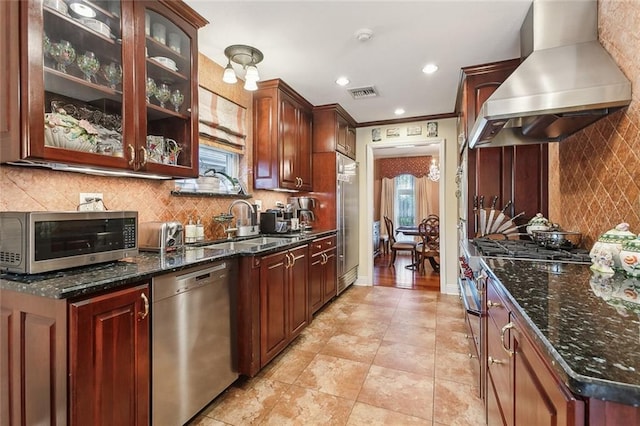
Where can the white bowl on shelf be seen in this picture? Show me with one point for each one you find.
(57, 5)
(97, 26)
(82, 10)
(167, 62)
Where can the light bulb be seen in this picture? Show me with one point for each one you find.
(252, 73)
(229, 75)
(250, 85)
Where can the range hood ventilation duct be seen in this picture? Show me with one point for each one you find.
(567, 81)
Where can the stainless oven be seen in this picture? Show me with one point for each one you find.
(35, 242)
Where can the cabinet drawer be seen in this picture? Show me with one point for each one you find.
(499, 369)
(322, 244)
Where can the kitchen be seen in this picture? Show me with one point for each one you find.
(608, 141)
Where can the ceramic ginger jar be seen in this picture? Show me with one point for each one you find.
(605, 253)
(537, 223)
(630, 257)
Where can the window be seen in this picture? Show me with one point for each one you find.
(218, 160)
(405, 202)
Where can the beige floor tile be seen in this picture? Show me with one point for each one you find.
(455, 366)
(406, 357)
(372, 312)
(457, 404)
(355, 348)
(412, 318)
(399, 391)
(450, 323)
(365, 414)
(411, 334)
(417, 305)
(369, 328)
(302, 406)
(287, 367)
(206, 421)
(335, 376)
(453, 341)
(247, 403)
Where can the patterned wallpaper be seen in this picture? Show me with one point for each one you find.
(597, 179)
(26, 189)
(392, 167)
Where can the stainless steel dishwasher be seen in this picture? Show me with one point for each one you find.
(193, 340)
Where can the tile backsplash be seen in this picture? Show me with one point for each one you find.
(595, 181)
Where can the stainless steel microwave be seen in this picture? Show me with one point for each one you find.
(35, 242)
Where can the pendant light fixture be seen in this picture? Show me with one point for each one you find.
(247, 57)
(434, 171)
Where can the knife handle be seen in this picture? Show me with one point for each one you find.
(494, 202)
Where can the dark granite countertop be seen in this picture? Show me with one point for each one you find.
(71, 283)
(585, 322)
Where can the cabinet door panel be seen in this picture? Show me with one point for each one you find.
(288, 142)
(109, 352)
(316, 284)
(298, 292)
(330, 275)
(273, 306)
(304, 154)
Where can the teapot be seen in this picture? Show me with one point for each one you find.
(605, 253)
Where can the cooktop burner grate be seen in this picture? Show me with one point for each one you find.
(522, 249)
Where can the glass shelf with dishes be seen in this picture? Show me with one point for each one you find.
(168, 91)
(82, 75)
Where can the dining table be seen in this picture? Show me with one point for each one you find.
(412, 230)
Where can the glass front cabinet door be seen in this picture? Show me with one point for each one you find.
(111, 84)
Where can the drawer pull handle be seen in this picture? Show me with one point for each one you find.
(504, 329)
(491, 304)
(471, 356)
(495, 361)
(145, 302)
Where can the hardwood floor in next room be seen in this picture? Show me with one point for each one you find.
(374, 356)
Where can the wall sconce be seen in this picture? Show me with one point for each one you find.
(434, 171)
(247, 57)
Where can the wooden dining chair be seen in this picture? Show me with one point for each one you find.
(429, 247)
(395, 246)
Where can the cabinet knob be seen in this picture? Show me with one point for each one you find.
(491, 304)
(471, 355)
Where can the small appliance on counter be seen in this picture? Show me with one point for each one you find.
(35, 242)
(303, 211)
(160, 236)
(273, 222)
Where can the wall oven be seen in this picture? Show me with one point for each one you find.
(35, 242)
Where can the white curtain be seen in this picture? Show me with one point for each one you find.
(426, 197)
(387, 196)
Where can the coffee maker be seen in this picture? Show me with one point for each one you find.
(303, 210)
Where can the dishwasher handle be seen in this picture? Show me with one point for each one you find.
(174, 284)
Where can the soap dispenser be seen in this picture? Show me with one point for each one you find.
(190, 232)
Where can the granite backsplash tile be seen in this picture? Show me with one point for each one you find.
(595, 182)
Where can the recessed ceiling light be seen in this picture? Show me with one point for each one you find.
(399, 111)
(342, 81)
(430, 68)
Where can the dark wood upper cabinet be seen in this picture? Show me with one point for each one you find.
(334, 130)
(513, 173)
(282, 138)
(83, 97)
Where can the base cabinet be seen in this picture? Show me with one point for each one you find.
(109, 359)
(322, 272)
(522, 387)
(284, 300)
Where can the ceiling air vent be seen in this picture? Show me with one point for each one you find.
(363, 92)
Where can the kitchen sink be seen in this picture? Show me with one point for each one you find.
(252, 245)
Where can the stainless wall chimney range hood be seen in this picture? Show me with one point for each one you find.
(567, 81)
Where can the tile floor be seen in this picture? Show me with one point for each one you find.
(374, 356)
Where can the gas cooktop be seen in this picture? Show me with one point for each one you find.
(529, 250)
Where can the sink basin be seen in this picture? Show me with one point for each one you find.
(253, 244)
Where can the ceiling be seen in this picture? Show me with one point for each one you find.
(309, 44)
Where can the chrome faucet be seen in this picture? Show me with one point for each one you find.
(242, 231)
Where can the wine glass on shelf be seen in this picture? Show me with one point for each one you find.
(113, 74)
(151, 89)
(177, 98)
(163, 93)
(88, 64)
(64, 54)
